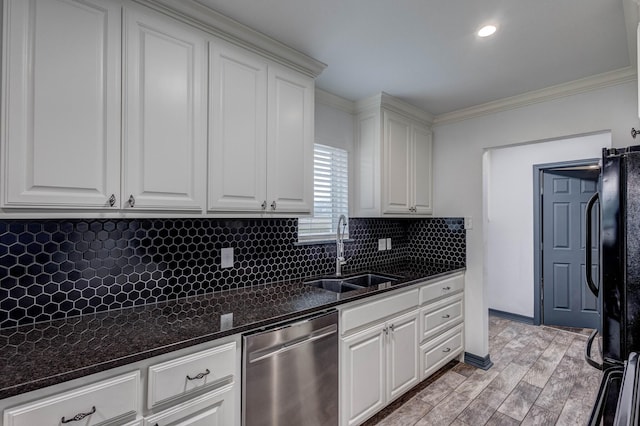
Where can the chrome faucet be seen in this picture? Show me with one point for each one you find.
(340, 260)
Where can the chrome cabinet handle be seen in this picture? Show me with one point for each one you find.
(446, 316)
(264, 205)
(78, 416)
(273, 205)
(112, 200)
(446, 288)
(199, 376)
(386, 331)
(446, 350)
(392, 327)
(132, 200)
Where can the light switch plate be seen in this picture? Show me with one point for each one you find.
(468, 222)
(226, 260)
(388, 243)
(382, 244)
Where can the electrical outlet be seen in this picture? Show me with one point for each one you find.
(382, 244)
(388, 243)
(226, 321)
(468, 222)
(226, 259)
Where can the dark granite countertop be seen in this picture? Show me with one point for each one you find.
(40, 355)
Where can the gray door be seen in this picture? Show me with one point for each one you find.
(567, 300)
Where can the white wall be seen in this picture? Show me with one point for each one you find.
(334, 127)
(458, 177)
(508, 224)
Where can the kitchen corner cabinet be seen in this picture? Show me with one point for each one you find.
(261, 138)
(62, 143)
(393, 161)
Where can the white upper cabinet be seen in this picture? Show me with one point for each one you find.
(261, 135)
(110, 105)
(61, 104)
(164, 161)
(238, 132)
(393, 160)
(290, 141)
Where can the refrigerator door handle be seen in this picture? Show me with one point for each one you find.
(587, 249)
(587, 351)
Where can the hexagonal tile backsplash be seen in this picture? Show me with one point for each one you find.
(52, 269)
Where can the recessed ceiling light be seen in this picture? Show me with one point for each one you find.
(487, 30)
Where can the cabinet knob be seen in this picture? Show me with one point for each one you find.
(446, 350)
(446, 316)
(392, 327)
(132, 201)
(273, 205)
(264, 205)
(446, 288)
(112, 200)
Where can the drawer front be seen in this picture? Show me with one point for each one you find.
(358, 316)
(108, 400)
(212, 408)
(439, 316)
(180, 376)
(438, 352)
(440, 289)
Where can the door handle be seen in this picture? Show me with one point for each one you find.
(587, 249)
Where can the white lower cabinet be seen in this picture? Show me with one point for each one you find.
(378, 365)
(98, 403)
(195, 387)
(394, 341)
(211, 409)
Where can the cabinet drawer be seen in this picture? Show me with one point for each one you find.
(439, 316)
(212, 408)
(108, 400)
(358, 316)
(438, 352)
(441, 288)
(180, 376)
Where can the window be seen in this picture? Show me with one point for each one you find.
(330, 194)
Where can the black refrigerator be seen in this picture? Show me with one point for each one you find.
(617, 286)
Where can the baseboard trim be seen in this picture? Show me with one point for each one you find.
(510, 316)
(483, 362)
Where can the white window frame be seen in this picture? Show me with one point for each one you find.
(331, 194)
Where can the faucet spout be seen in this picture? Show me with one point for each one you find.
(340, 260)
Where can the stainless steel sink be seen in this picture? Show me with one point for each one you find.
(368, 280)
(335, 285)
(342, 285)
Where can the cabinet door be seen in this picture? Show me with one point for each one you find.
(396, 196)
(61, 107)
(165, 114)
(402, 349)
(211, 409)
(290, 142)
(362, 378)
(238, 132)
(422, 166)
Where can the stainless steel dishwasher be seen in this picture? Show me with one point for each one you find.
(290, 373)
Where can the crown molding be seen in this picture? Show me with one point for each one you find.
(384, 100)
(599, 81)
(203, 17)
(334, 101)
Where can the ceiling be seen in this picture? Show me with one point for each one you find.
(426, 51)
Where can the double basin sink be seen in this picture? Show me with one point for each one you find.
(356, 282)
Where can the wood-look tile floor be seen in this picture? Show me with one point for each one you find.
(539, 377)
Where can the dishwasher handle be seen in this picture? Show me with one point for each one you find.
(259, 355)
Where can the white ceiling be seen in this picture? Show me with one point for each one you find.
(426, 51)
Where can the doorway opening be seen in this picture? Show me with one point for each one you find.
(561, 193)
